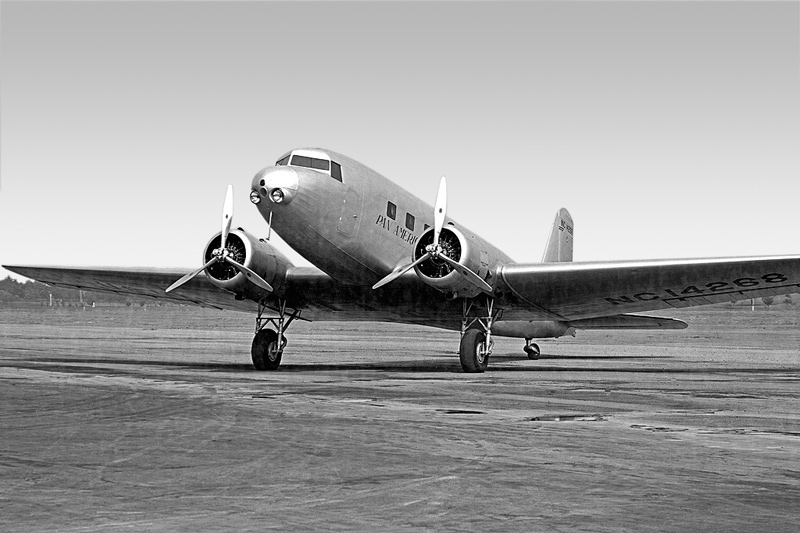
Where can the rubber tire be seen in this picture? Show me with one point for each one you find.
(471, 342)
(533, 352)
(265, 352)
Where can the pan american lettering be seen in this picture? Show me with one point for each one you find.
(393, 227)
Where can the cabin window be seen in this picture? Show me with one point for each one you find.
(282, 162)
(410, 221)
(336, 171)
(426, 227)
(391, 210)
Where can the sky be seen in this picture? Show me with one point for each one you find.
(668, 129)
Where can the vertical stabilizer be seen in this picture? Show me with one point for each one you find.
(559, 246)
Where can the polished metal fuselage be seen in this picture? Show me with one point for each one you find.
(344, 228)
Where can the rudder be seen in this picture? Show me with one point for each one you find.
(559, 246)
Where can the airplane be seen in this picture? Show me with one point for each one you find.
(383, 255)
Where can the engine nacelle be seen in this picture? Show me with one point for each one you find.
(256, 254)
(465, 250)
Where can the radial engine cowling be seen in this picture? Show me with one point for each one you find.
(463, 249)
(256, 254)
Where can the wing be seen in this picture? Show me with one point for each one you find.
(310, 290)
(573, 291)
(149, 282)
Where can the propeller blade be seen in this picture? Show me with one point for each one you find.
(472, 276)
(190, 275)
(252, 276)
(400, 271)
(440, 210)
(227, 216)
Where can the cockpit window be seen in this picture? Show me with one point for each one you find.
(336, 171)
(320, 164)
(301, 161)
(311, 162)
(305, 158)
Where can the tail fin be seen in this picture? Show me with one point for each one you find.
(559, 246)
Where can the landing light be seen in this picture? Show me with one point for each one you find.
(255, 197)
(276, 196)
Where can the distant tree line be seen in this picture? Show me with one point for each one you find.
(12, 291)
(787, 300)
(769, 300)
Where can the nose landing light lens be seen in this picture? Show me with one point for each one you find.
(255, 197)
(276, 196)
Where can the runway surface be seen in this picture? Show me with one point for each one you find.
(152, 419)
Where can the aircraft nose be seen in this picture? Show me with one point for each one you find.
(276, 185)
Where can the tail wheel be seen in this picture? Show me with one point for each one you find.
(473, 353)
(266, 352)
(532, 350)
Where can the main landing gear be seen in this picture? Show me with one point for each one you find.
(267, 350)
(476, 335)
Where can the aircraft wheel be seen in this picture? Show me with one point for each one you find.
(473, 353)
(533, 351)
(265, 352)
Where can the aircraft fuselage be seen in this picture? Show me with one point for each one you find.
(356, 230)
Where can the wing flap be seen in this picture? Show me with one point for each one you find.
(585, 290)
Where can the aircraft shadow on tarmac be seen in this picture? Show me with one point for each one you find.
(542, 357)
(85, 365)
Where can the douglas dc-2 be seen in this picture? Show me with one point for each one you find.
(384, 255)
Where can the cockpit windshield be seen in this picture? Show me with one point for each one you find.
(311, 162)
(313, 159)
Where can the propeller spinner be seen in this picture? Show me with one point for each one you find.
(223, 254)
(435, 249)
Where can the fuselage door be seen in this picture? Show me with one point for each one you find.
(351, 213)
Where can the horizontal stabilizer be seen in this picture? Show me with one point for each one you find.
(628, 322)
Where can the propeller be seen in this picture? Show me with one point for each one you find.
(435, 250)
(222, 254)
(439, 211)
(227, 216)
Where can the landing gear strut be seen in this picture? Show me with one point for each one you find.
(532, 349)
(476, 335)
(267, 351)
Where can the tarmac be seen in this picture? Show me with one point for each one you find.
(153, 419)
